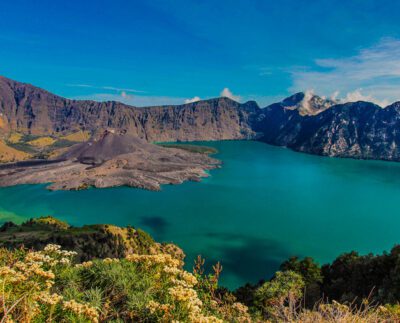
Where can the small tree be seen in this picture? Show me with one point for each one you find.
(312, 276)
(282, 293)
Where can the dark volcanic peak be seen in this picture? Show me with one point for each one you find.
(115, 159)
(293, 99)
(395, 105)
(108, 145)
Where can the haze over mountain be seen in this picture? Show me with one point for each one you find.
(304, 122)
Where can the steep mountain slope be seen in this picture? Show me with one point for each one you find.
(28, 109)
(304, 121)
(357, 130)
(307, 103)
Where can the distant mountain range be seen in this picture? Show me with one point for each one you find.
(303, 122)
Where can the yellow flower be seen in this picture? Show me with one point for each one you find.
(85, 264)
(51, 299)
(82, 309)
(110, 260)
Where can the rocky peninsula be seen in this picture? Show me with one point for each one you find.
(112, 159)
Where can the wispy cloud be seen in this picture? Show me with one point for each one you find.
(357, 95)
(192, 100)
(372, 74)
(228, 94)
(109, 88)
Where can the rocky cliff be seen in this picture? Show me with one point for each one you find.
(303, 122)
(356, 130)
(28, 109)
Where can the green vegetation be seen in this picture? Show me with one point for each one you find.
(89, 241)
(112, 274)
(190, 148)
(61, 143)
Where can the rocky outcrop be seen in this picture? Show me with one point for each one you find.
(112, 160)
(356, 130)
(306, 103)
(28, 109)
(303, 122)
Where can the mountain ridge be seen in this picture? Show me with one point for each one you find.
(26, 108)
(303, 122)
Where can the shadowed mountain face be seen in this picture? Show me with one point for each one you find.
(304, 122)
(357, 130)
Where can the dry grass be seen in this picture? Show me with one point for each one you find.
(42, 142)
(3, 123)
(337, 313)
(9, 154)
(57, 152)
(79, 136)
(15, 137)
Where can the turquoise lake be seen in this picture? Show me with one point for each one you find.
(265, 204)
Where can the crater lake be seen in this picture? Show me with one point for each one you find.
(262, 206)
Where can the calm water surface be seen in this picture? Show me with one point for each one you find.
(265, 204)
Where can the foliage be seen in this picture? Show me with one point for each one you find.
(336, 312)
(144, 281)
(286, 288)
(49, 221)
(191, 148)
(115, 241)
(27, 288)
(39, 286)
(218, 300)
(311, 273)
(307, 268)
(353, 277)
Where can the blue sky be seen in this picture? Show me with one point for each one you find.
(159, 52)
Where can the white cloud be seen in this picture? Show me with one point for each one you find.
(335, 96)
(228, 94)
(192, 100)
(357, 95)
(375, 70)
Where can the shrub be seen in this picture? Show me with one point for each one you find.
(286, 288)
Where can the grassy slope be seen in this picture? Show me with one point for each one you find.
(79, 136)
(18, 146)
(115, 241)
(42, 142)
(9, 154)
